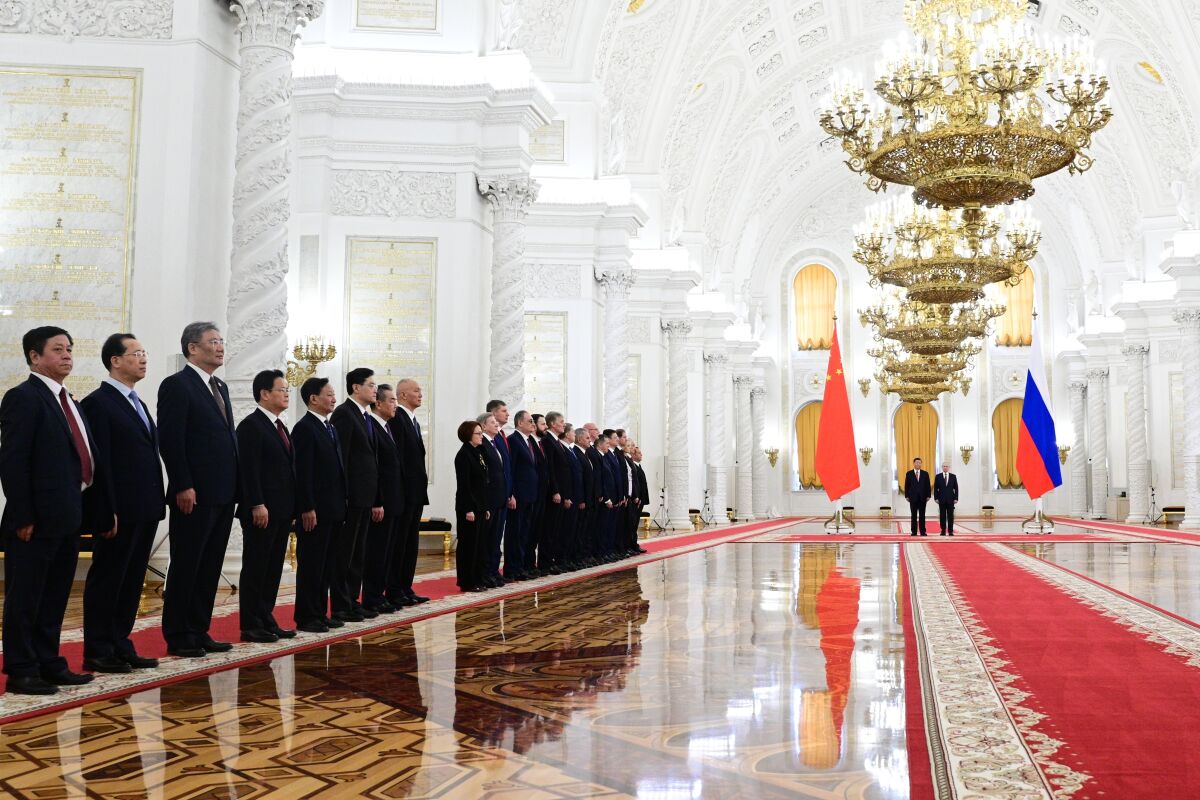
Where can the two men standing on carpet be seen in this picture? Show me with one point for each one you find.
(917, 491)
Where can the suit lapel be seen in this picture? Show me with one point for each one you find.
(43, 391)
(127, 408)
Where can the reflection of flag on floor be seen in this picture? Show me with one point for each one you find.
(1037, 447)
(836, 458)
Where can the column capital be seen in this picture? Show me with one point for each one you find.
(716, 359)
(1077, 385)
(758, 392)
(1098, 374)
(1136, 349)
(510, 195)
(743, 380)
(274, 23)
(677, 327)
(1188, 318)
(620, 280)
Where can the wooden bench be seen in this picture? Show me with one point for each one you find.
(1172, 514)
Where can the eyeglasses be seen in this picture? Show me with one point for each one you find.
(214, 342)
(137, 354)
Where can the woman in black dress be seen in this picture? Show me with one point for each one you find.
(470, 505)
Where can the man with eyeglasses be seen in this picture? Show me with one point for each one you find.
(199, 447)
(130, 484)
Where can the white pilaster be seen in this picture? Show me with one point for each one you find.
(1138, 456)
(510, 197)
(616, 346)
(677, 422)
(1077, 459)
(758, 459)
(718, 447)
(1097, 405)
(744, 502)
(257, 307)
(1188, 320)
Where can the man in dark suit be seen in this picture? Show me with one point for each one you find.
(267, 509)
(610, 497)
(499, 475)
(945, 494)
(47, 464)
(572, 553)
(129, 483)
(407, 431)
(641, 488)
(586, 507)
(621, 497)
(528, 495)
(499, 410)
(917, 492)
(320, 504)
(537, 553)
(381, 536)
(199, 447)
(364, 506)
(633, 508)
(556, 534)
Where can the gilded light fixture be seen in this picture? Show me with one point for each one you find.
(312, 351)
(772, 454)
(865, 454)
(976, 107)
(1063, 452)
(916, 369)
(929, 330)
(965, 451)
(917, 393)
(864, 386)
(941, 256)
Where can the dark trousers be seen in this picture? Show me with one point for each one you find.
(550, 540)
(471, 538)
(535, 534)
(918, 515)
(516, 533)
(198, 542)
(946, 517)
(263, 550)
(113, 590)
(605, 528)
(403, 563)
(348, 561)
(381, 541)
(314, 567)
(491, 553)
(632, 521)
(37, 583)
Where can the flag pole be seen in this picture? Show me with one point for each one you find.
(1039, 523)
(838, 523)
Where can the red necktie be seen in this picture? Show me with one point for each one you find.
(85, 459)
(287, 443)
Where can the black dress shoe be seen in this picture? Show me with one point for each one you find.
(640, 550)
(67, 678)
(347, 616)
(211, 645)
(951, 533)
(924, 534)
(260, 636)
(283, 633)
(382, 607)
(312, 627)
(366, 613)
(187, 652)
(943, 533)
(138, 662)
(108, 664)
(912, 534)
(416, 598)
(333, 622)
(29, 684)
(403, 602)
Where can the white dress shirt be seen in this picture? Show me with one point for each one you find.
(55, 388)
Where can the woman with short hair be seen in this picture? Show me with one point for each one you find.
(471, 505)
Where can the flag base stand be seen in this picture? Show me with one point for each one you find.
(1038, 523)
(838, 523)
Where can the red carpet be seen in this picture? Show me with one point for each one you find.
(1125, 710)
(149, 641)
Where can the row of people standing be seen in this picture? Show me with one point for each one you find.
(547, 498)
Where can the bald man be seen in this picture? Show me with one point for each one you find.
(406, 431)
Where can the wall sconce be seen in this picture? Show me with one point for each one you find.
(312, 350)
(772, 454)
(865, 454)
(966, 450)
(964, 386)
(864, 384)
(1063, 452)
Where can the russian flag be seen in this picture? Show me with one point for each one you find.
(1037, 446)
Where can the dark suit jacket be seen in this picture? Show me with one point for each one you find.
(616, 463)
(587, 469)
(358, 455)
(524, 467)
(39, 467)
(198, 445)
(574, 461)
(497, 492)
(916, 491)
(640, 485)
(320, 477)
(945, 491)
(268, 470)
(470, 468)
(612, 483)
(558, 470)
(539, 458)
(599, 470)
(412, 458)
(501, 443)
(129, 473)
(391, 489)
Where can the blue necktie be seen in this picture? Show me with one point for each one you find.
(137, 406)
(332, 432)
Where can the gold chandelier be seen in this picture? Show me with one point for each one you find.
(977, 107)
(926, 329)
(894, 364)
(920, 393)
(944, 256)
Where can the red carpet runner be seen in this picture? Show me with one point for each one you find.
(1102, 691)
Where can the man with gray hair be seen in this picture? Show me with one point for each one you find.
(198, 442)
(499, 493)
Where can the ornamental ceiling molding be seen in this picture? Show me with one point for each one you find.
(104, 19)
(544, 27)
(681, 152)
(629, 73)
(392, 193)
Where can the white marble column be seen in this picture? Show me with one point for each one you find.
(1138, 457)
(677, 422)
(758, 459)
(714, 435)
(510, 197)
(743, 507)
(616, 347)
(1097, 405)
(1188, 320)
(1077, 459)
(257, 308)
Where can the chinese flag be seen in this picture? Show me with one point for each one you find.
(837, 457)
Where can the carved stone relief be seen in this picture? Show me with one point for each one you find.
(119, 19)
(552, 280)
(392, 193)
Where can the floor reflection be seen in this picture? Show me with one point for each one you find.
(764, 670)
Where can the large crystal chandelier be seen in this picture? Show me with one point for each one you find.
(895, 364)
(944, 256)
(925, 329)
(978, 106)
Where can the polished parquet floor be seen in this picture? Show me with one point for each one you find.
(748, 670)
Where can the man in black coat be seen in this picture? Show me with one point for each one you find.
(268, 506)
(381, 536)
(364, 505)
(917, 491)
(199, 447)
(586, 507)
(320, 504)
(945, 494)
(47, 464)
(556, 532)
(406, 429)
(498, 492)
(611, 497)
(527, 491)
(129, 485)
(641, 487)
